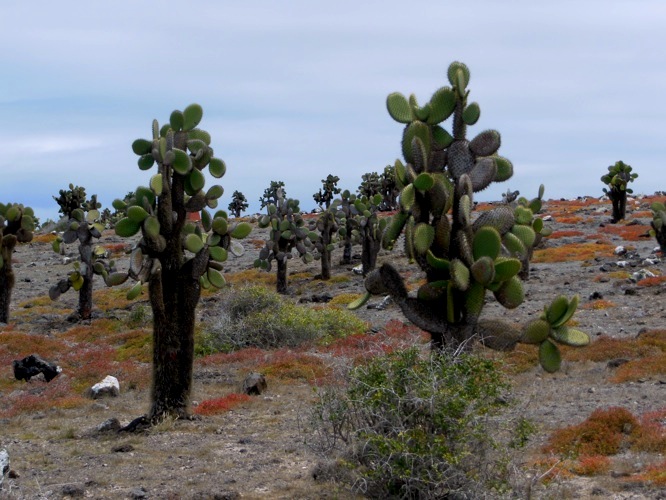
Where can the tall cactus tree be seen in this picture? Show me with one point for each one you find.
(270, 195)
(616, 180)
(367, 228)
(462, 258)
(176, 257)
(238, 204)
(70, 199)
(288, 233)
(389, 189)
(86, 228)
(16, 226)
(345, 214)
(658, 224)
(329, 189)
(326, 228)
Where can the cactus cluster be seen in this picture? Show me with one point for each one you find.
(529, 236)
(17, 224)
(551, 329)
(70, 199)
(462, 257)
(288, 233)
(658, 224)
(270, 195)
(84, 227)
(238, 204)
(618, 177)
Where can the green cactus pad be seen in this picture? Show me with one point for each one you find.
(570, 336)
(220, 225)
(194, 243)
(549, 356)
(523, 215)
(483, 174)
(437, 263)
(119, 204)
(433, 290)
(452, 73)
(176, 120)
(506, 268)
(407, 197)
(459, 275)
(535, 332)
(471, 113)
(126, 227)
(182, 162)
(142, 147)
(196, 179)
(514, 246)
(419, 155)
(441, 137)
(200, 135)
(359, 302)
(501, 218)
(241, 231)
(192, 116)
(483, 270)
(217, 168)
(415, 129)
(151, 226)
(135, 291)
(474, 299)
(424, 235)
(504, 169)
(423, 182)
(136, 213)
(460, 159)
(511, 294)
(525, 234)
(442, 104)
(572, 305)
(399, 108)
(556, 310)
(115, 279)
(486, 143)
(215, 278)
(486, 242)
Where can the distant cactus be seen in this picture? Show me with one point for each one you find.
(238, 204)
(368, 229)
(84, 227)
(70, 199)
(174, 256)
(389, 190)
(371, 184)
(329, 189)
(346, 221)
(326, 229)
(462, 258)
(270, 194)
(16, 226)
(659, 225)
(288, 232)
(617, 179)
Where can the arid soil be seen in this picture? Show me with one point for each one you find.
(259, 449)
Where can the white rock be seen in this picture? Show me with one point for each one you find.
(547, 218)
(107, 387)
(622, 263)
(358, 269)
(620, 250)
(4, 464)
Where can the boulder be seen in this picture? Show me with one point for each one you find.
(32, 366)
(109, 387)
(254, 384)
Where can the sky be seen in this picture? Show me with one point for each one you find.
(296, 90)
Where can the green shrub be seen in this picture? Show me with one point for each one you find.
(415, 427)
(254, 316)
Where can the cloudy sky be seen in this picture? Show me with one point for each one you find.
(296, 90)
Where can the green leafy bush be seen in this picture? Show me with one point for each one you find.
(255, 316)
(409, 426)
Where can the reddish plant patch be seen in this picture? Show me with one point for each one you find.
(628, 232)
(569, 219)
(598, 304)
(292, 365)
(573, 252)
(221, 405)
(654, 474)
(565, 234)
(116, 249)
(652, 281)
(591, 465)
(641, 369)
(251, 354)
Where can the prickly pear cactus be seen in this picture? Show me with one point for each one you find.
(529, 230)
(84, 227)
(238, 204)
(326, 228)
(462, 257)
(348, 235)
(17, 224)
(617, 179)
(70, 199)
(329, 189)
(658, 224)
(174, 256)
(368, 229)
(288, 233)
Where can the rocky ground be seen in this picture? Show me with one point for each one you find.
(259, 450)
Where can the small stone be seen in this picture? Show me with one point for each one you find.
(254, 384)
(138, 493)
(107, 387)
(110, 425)
(620, 250)
(73, 490)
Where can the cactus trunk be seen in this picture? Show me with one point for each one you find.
(346, 253)
(326, 257)
(86, 292)
(371, 248)
(6, 277)
(619, 202)
(281, 286)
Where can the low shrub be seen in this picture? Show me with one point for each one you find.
(410, 426)
(255, 316)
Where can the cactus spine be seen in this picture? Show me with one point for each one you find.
(617, 178)
(17, 224)
(176, 257)
(462, 258)
(288, 232)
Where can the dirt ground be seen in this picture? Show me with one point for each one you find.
(259, 450)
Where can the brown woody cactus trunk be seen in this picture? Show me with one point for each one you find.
(86, 292)
(371, 248)
(619, 201)
(281, 276)
(6, 276)
(326, 256)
